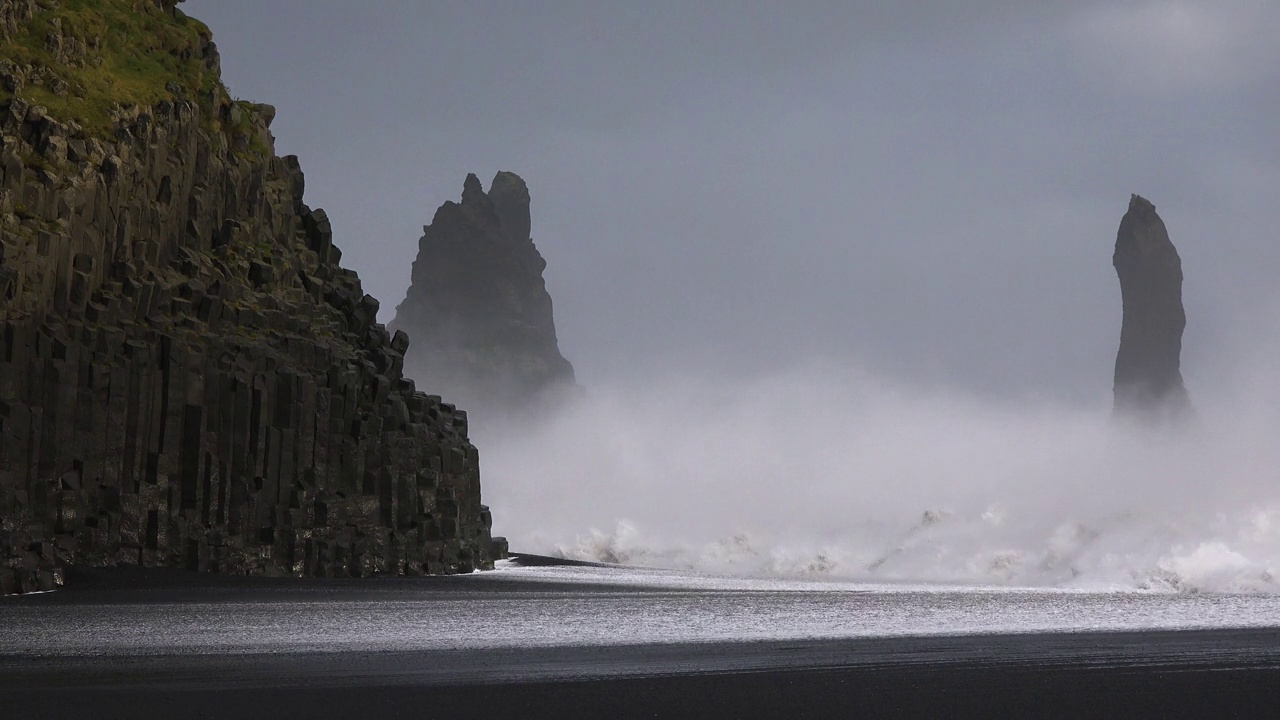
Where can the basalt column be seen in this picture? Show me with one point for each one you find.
(189, 376)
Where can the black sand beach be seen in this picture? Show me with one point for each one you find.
(1166, 675)
(1190, 673)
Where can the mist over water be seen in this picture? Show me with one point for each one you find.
(708, 176)
(828, 471)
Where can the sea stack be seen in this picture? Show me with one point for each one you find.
(189, 376)
(478, 310)
(1148, 380)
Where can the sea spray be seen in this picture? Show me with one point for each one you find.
(830, 471)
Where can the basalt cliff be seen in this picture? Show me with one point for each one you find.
(478, 309)
(1148, 380)
(188, 376)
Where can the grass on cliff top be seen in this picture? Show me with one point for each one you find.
(139, 50)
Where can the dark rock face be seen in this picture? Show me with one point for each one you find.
(189, 378)
(478, 309)
(1148, 378)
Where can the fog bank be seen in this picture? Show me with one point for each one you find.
(828, 470)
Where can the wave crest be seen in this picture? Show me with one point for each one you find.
(1123, 556)
(832, 473)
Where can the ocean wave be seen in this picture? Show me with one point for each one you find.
(1120, 554)
(838, 473)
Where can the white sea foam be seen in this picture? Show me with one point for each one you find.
(830, 472)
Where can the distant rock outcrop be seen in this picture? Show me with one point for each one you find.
(1148, 380)
(478, 310)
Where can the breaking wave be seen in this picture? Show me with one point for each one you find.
(1072, 556)
(830, 472)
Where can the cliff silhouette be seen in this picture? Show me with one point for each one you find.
(189, 377)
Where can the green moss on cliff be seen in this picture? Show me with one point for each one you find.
(82, 58)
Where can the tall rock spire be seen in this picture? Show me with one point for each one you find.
(477, 308)
(1148, 380)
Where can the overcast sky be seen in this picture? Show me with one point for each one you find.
(930, 190)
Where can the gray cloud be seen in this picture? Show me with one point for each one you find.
(931, 189)
(1175, 46)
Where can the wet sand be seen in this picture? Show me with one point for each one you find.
(1187, 673)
